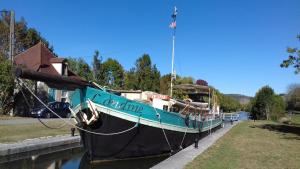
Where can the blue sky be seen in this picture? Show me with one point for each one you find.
(236, 46)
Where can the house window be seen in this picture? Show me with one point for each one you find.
(64, 69)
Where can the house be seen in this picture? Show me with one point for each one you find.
(39, 58)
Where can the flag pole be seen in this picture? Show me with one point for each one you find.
(173, 25)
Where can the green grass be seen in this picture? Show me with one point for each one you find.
(295, 119)
(15, 133)
(253, 145)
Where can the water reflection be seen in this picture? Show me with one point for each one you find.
(74, 159)
(144, 163)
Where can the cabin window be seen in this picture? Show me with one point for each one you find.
(165, 107)
(175, 109)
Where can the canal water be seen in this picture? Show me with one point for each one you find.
(74, 159)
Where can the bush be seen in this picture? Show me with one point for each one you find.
(267, 105)
(6, 85)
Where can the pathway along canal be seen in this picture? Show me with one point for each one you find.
(74, 159)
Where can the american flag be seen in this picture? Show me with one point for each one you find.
(173, 25)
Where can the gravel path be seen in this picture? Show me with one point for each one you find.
(179, 160)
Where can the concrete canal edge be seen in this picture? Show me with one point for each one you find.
(180, 159)
(38, 144)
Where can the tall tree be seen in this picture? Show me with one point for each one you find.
(84, 70)
(130, 80)
(24, 37)
(80, 67)
(113, 74)
(6, 85)
(97, 66)
(144, 72)
(267, 105)
(155, 79)
(293, 97)
(147, 76)
(293, 59)
(165, 84)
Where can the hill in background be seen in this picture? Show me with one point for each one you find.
(240, 98)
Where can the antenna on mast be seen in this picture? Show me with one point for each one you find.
(173, 26)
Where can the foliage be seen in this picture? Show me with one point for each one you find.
(80, 67)
(293, 59)
(179, 93)
(267, 105)
(113, 74)
(183, 80)
(97, 66)
(155, 75)
(144, 75)
(24, 37)
(227, 103)
(165, 84)
(293, 97)
(6, 85)
(201, 82)
(130, 80)
(278, 108)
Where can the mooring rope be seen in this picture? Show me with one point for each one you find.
(59, 127)
(71, 124)
(159, 119)
(183, 137)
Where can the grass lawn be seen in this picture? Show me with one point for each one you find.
(19, 132)
(295, 119)
(253, 145)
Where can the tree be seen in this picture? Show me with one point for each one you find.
(165, 84)
(267, 105)
(183, 80)
(201, 82)
(227, 103)
(24, 37)
(80, 67)
(143, 72)
(293, 59)
(6, 85)
(277, 108)
(130, 80)
(146, 76)
(293, 97)
(113, 74)
(155, 76)
(97, 66)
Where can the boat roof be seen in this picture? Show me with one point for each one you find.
(193, 88)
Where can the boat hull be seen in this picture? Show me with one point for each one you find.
(125, 128)
(141, 141)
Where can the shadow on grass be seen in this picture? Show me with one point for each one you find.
(282, 129)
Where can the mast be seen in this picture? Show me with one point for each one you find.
(173, 26)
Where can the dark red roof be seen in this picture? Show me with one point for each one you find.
(34, 57)
(39, 58)
(57, 60)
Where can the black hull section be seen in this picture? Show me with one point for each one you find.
(139, 142)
